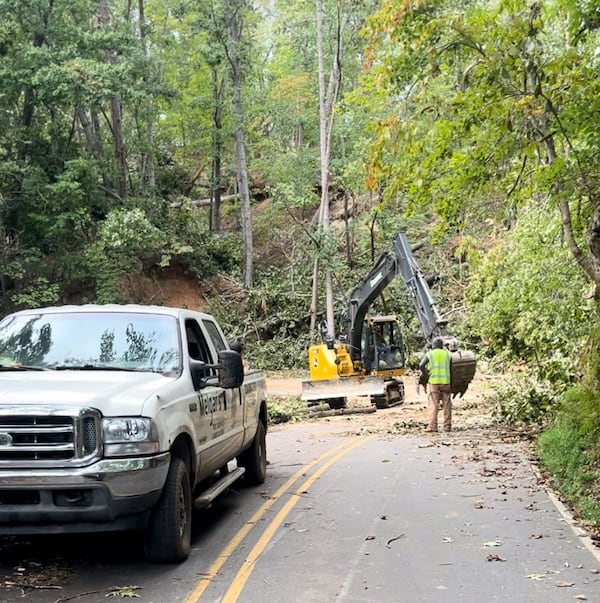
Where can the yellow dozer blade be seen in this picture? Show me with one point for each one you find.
(342, 387)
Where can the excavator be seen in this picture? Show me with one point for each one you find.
(369, 360)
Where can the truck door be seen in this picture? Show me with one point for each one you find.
(219, 420)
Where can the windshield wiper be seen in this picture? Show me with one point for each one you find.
(91, 367)
(22, 367)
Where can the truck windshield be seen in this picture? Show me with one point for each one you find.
(90, 341)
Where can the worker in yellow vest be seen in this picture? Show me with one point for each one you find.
(437, 363)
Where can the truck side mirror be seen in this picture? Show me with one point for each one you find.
(231, 369)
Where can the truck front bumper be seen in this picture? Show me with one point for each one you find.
(112, 494)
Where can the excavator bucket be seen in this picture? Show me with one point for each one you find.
(463, 371)
(345, 387)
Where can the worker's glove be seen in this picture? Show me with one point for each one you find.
(422, 381)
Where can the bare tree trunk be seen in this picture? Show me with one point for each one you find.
(116, 117)
(216, 189)
(94, 143)
(119, 145)
(234, 18)
(327, 99)
(148, 158)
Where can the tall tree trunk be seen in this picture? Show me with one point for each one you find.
(94, 143)
(327, 99)
(116, 116)
(216, 176)
(149, 175)
(119, 145)
(233, 10)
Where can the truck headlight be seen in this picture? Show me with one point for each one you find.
(127, 436)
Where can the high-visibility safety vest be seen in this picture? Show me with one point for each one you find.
(439, 366)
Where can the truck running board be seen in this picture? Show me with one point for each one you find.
(208, 496)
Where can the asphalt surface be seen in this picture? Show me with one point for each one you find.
(343, 516)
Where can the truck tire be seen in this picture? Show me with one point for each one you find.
(254, 459)
(167, 538)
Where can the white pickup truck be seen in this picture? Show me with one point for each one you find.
(123, 418)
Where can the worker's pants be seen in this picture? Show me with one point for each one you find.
(440, 393)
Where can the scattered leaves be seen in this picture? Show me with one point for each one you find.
(542, 575)
(123, 591)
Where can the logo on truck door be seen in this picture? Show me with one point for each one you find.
(211, 403)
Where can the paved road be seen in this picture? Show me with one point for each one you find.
(343, 517)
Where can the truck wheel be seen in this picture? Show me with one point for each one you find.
(255, 458)
(168, 535)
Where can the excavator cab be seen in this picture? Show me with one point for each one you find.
(383, 346)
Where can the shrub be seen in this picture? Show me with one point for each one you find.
(286, 410)
(523, 399)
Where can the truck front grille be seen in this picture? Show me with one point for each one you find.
(48, 437)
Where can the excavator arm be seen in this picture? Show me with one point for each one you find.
(399, 262)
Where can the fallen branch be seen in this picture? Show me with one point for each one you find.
(392, 540)
(342, 411)
(30, 585)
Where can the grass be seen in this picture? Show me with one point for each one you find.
(571, 458)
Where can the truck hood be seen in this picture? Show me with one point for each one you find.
(112, 393)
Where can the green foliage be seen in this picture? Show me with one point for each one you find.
(279, 354)
(581, 408)
(523, 399)
(28, 280)
(286, 410)
(130, 243)
(271, 322)
(483, 106)
(526, 298)
(39, 293)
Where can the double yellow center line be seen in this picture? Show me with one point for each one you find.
(243, 574)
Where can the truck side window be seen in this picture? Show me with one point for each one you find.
(197, 346)
(215, 335)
